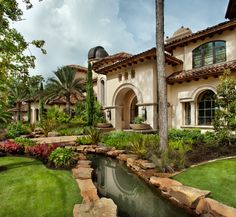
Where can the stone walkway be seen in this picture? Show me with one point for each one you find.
(56, 139)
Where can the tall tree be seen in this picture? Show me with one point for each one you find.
(225, 115)
(162, 88)
(89, 96)
(13, 59)
(65, 86)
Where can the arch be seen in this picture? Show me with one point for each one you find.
(201, 89)
(125, 87)
(209, 53)
(206, 107)
(102, 92)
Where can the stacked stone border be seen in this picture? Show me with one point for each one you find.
(194, 200)
(92, 205)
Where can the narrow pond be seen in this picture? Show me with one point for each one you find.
(133, 196)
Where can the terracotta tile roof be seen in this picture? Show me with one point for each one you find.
(219, 28)
(111, 59)
(24, 108)
(148, 54)
(203, 72)
(79, 68)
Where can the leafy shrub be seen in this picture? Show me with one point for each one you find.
(11, 148)
(94, 135)
(118, 139)
(61, 157)
(54, 113)
(85, 140)
(138, 120)
(210, 139)
(71, 131)
(24, 141)
(177, 153)
(41, 151)
(193, 136)
(16, 129)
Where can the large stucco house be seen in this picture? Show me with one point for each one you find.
(127, 84)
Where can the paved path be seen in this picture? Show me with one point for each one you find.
(56, 139)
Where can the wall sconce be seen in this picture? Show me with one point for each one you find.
(144, 113)
(109, 114)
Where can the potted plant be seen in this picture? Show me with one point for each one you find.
(103, 124)
(139, 125)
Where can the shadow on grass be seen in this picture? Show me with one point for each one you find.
(18, 165)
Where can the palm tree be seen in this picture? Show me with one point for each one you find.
(162, 90)
(17, 94)
(65, 86)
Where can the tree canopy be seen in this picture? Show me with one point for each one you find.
(13, 46)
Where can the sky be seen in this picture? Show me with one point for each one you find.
(71, 27)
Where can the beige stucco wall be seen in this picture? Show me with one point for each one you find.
(188, 92)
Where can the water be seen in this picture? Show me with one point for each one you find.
(133, 197)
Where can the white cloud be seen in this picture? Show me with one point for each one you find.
(71, 28)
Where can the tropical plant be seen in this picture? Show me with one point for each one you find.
(47, 124)
(65, 86)
(90, 99)
(18, 92)
(94, 135)
(62, 157)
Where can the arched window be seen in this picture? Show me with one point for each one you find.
(209, 53)
(206, 108)
(102, 92)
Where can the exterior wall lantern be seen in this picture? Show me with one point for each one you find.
(109, 114)
(144, 113)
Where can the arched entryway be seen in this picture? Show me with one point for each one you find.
(125, 101)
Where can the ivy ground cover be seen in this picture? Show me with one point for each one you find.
(28, 188)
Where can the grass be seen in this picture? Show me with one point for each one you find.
(29, 189)
(219, 177)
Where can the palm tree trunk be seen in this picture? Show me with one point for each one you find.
(162, 89)
(68, 105)
(18, 107)
(29, 112)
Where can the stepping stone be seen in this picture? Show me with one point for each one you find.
(164, 183)
(82, 173)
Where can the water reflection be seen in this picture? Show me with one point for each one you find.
(132, 196)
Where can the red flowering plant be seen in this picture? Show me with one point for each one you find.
(41, 151)
(11, 148)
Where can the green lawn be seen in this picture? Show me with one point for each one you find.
(219, 177)
(29, 189)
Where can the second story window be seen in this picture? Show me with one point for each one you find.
(209, 53)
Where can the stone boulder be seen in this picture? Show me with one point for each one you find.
(87, 190)
(115, 153)
(101, 208)
(187, 195)
(102, 150)
(83, 164)
(124, 157)
(145, 164)
(164, 183)
(82, 173)
(210, 207)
